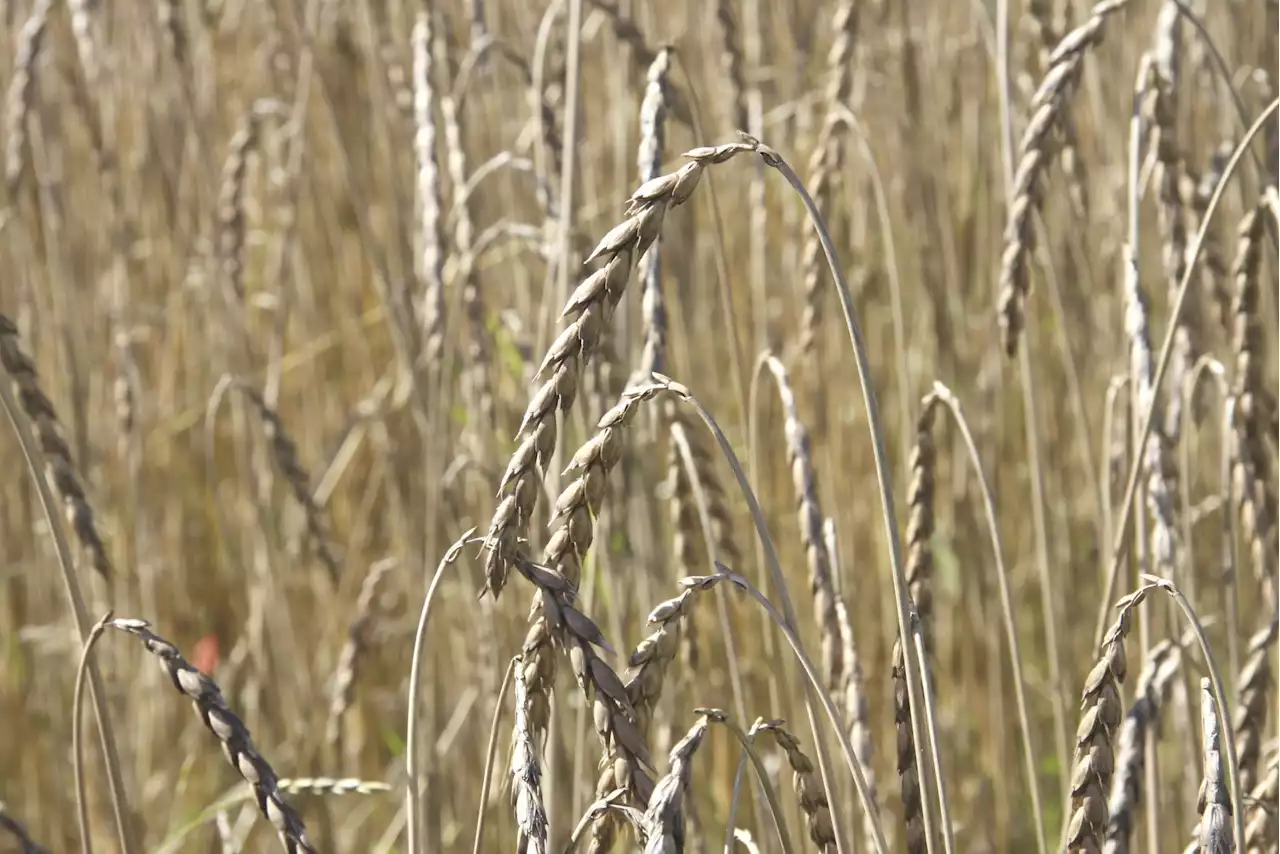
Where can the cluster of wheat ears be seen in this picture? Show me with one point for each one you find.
(260, 382)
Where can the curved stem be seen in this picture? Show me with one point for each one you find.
(1219, 696)
(1006, 604)
(77, 745)
(489, 753)
(415, 679)
(775, 569)
(922, 725)
(97, 693)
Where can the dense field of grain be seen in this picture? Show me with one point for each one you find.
(827, 425)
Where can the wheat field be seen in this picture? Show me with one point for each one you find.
(603, 425)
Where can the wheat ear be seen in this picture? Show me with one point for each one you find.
(285, 452)
(1102, 707)
(21, 95)
(805, 484)
(526, 776)
(808, 785)
(653, 117)
(590, 306)
(1214, 803)
(237, 745)
(919, 575)
(60, 467)
(1048, 110)
(1253, 685)
(1162, 664)
(664, 818)
(344, 677)
(1263, 829)
(430, 225)
(825, 162)
(646, 672)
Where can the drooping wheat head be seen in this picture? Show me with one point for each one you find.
(1048, 108)
(344, 676)
(653, 117)
(1094, 761)
(60, 467)
(808, 785)
(1253, 700)
(591, 306)
(805, 483)
(1162, 664)
(919, 576)
(825, 163)
(430, 224)
(237, 745)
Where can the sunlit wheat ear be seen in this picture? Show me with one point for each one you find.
(1157, 463)
(646, 672)
(1162, 664)
(1252, 475)
(826, 162)
(805, 483)
(477, 380)
(808, 785)
(1212, 267)
(21, 95)
(60, 467)
(285, 453)
(591, 307)
(664, 818)
(344, 677)
(1214, 803)
(653, 117)
(919, 577)
(232, 225)
(237, 745)
(558, 621)
(526, 776)
(1048, 109)
(430, 222)
(1102, 713)
(1262, 821)
(1163, 103)
(1253, 700)
(853, 699)
(572, 530)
